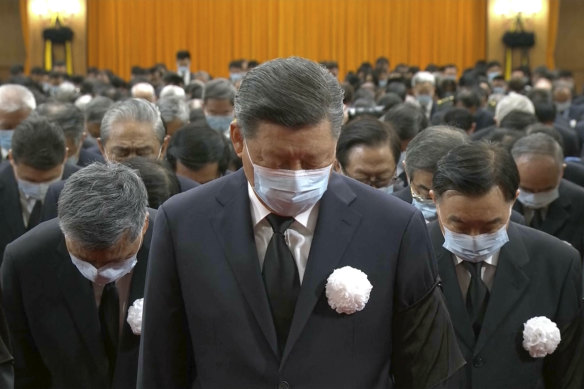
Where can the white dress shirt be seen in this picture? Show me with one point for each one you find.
(487, 273)
(298, 236)
(26, 205)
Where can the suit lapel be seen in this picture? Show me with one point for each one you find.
(11, 201)
(233, 227)
(78, 294)
(451, 288)
(508, 286)
(335, 227)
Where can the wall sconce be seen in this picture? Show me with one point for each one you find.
(57, 35)
(516, 37)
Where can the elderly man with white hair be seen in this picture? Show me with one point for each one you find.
(144, 90)
(424, 85)
(513, 102)
(16, 103)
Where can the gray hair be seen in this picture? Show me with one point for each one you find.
(513, 102)
(133, 110)
(429, 146)
(15, 98)
(95, 110)
(102, 204)
(172, 108)
(172, 90)
(538, 144)
(65, 115)
(292, 92)
(423, 77)
(220, 89)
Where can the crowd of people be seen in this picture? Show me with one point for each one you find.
(179, 230)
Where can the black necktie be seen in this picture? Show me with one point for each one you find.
(109, 318)
(536, 219)
(477, 296)
(281, 278)
(35, 215)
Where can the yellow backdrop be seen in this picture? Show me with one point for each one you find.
(123, 33)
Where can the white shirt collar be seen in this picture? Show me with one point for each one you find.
(259, 212)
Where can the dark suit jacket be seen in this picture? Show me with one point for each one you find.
(574, 172)
(11, 223)
(207, 320)
(537, 275)
(565, 216)
(53, 318)
(88, 156)
(186, 183)
(406, 195)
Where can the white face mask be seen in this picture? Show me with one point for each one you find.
(386, 189)
(6, 139)
(289, 192)
(538, 200)
(35, 190)
(105, 274)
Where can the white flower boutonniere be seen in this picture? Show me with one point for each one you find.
(347, 290)
(135, 316)
(541, 336)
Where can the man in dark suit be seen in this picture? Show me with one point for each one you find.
(129, 128)
(548, 202)
(68, 283)
(231, 303)
(37, 159)
(497, 275)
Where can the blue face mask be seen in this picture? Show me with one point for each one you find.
(427, 207)
(6, 139)
(498, 90)
(424, 100)
(289, 192)
(491, 76)
(182, 70)
(234, 77)
(386, 189)
(35, 190)
(219, 123)
(475, 248)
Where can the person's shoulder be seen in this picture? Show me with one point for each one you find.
(5, 171)
(36, 243)
(547, 248)
(372, 202)
(204, 197)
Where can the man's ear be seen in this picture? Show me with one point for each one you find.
(236, 136)
(337, 166)
(101, 148)
(164, 146)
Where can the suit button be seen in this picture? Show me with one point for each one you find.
(478, 362)
(283, 385)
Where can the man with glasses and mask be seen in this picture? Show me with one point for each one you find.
(36, 159)
(129, 128)
(68, 283)
(548, 202)
(497, 275)
(422, 154)
(368, 150)
(236, 290)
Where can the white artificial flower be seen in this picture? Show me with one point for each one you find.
(541, 336)
(347, 290)
(135, 316)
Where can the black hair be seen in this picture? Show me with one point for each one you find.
(459, 118)
(160, 181)
(366, 131)
(407, 119)
(518, 120)
(196, 145)
(469, 98)
(474, 169)
(183, 54)
(545, 111)
(38, 143)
